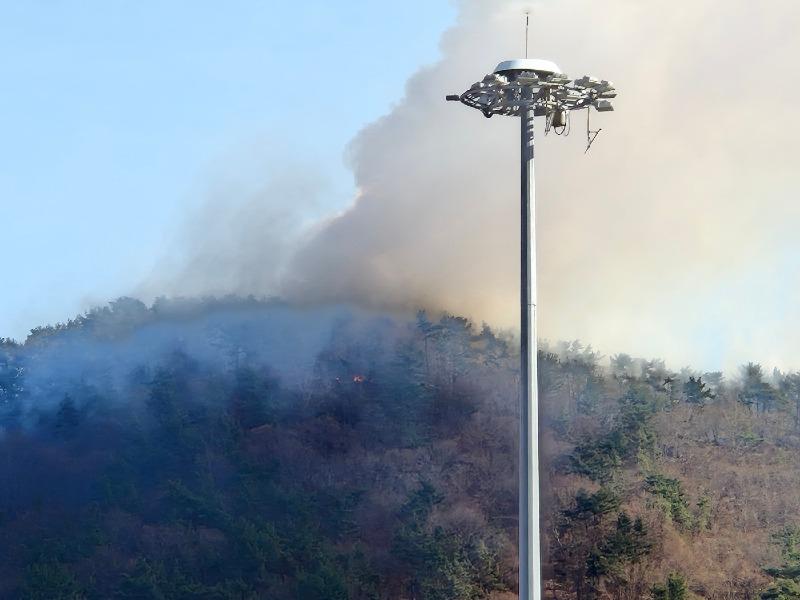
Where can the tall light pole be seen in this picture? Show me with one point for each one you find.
(529, 88)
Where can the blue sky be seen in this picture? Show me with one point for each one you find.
(113, 114)
(120, 120)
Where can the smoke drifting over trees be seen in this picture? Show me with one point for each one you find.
(673, 237)
(243, 449)
(239, 449)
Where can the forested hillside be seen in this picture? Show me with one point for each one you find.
(240, 449)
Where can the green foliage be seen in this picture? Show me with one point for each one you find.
(207, 478)
(592, 506)
(632, 434)
(261, 548)
(670, 492)
(51, 581)
(326, 583)
(597, 459)
(67, 418)
(445, 565)
(788, 539)
(656, 375)
(622, 366)
(365, 582)
(677, 587)
(628, 543)
(788, 575)
(757, 392)
(674, 589)
(193, 507)
(749, 439)
(782, 589)
(696, 391)
(156, 581)
(588, 400)
(702, 518)
(145, 583)
(12, 381)
(250, 401)
(597, 541)
(659, 592)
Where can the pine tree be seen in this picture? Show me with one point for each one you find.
(67, 417)
(696, 391)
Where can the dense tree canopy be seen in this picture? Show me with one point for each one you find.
(240, 449)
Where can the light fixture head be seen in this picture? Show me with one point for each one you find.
(522, 84)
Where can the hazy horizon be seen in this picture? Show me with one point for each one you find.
(672, 238)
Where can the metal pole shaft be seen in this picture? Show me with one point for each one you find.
(530, 575)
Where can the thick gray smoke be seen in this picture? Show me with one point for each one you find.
(673, 237)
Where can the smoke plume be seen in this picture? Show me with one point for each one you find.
(672, 237)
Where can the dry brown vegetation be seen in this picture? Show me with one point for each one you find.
(190, 466)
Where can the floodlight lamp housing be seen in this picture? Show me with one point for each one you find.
(524, 84)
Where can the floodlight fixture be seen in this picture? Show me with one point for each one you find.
(529, 88)
(517, 86)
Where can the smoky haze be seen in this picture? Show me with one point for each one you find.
(673, 237)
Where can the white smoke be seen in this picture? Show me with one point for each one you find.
(673, 237)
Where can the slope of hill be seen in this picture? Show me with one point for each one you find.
(246, 449)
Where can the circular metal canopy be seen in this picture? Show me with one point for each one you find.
(537, 65)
